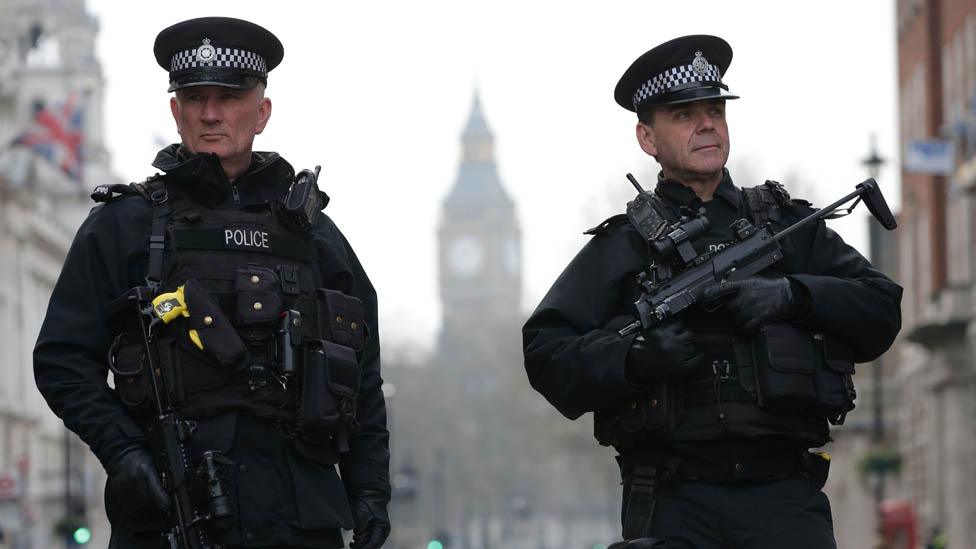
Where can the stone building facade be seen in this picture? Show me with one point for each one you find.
(47, 60)
(935, 414)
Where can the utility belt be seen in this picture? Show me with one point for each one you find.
(785, 381)
(710, 461)
(644, 471)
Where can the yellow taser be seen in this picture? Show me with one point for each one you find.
(171, 305)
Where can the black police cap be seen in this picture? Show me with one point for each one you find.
(217, 51)
(685, 69)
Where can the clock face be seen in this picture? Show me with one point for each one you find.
(465, 256)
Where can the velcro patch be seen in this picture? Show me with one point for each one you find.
(247, 238)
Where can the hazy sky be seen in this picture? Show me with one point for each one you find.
(378, 93)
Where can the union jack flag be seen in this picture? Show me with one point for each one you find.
(56, 134)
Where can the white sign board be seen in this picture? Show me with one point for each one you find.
(930, 156)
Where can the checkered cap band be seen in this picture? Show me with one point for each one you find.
(232, 58)
(673, 77)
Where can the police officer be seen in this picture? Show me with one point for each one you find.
(264, 336)
(707, 410)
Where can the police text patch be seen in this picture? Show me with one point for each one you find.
(247, 238)
(238, 237)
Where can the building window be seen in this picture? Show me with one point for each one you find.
(959, 240)
(8, 335)
(913, 100)
(959, 89)
(907, 10)
(969, 151)
(43, 50)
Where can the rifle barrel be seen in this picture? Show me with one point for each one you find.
(819, 214)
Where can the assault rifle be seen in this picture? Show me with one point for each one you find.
(170, 433)
(752, 250)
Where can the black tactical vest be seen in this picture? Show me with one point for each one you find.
(254, 269)
(263, 336)
(721, 400)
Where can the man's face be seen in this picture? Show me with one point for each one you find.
(689, 140)
(224, 121)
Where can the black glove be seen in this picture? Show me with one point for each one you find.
(372, 520)
(753, 302)
(663, 351)
(135, 483)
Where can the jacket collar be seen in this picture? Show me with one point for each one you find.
(202, 179)
(680, 195)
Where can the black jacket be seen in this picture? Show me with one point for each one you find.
(575, 358)
(280, 503)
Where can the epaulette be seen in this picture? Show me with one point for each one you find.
(111, 193)
(607, 224)
(118, 191)
(770, 193)
(779, 192)
(146, 187)
(766, 201)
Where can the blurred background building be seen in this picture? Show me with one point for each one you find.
(51, 93)
(933, 416)
(908, 451)
(479, 459)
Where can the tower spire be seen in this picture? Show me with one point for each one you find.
(477, 140)
(480, 248)
(477, 183)
(476, 127)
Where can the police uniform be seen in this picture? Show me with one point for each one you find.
(704, 463)
(273, 432)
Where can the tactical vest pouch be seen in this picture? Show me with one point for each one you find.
(655, 413)
(341, 318)
(130, 373)
(127, 354)
(784, 367)
(215, 332)
(258, 295)
(330, 385)
(833, 378)
(128, 369)
(658, 410)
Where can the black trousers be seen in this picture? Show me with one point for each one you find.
(747, 515)
(122, 539)
(126, 541)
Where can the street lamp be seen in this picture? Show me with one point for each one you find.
(873, 161)
(880, 460)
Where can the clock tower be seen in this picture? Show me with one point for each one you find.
(480, 251)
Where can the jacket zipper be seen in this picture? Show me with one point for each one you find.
(237, 196)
